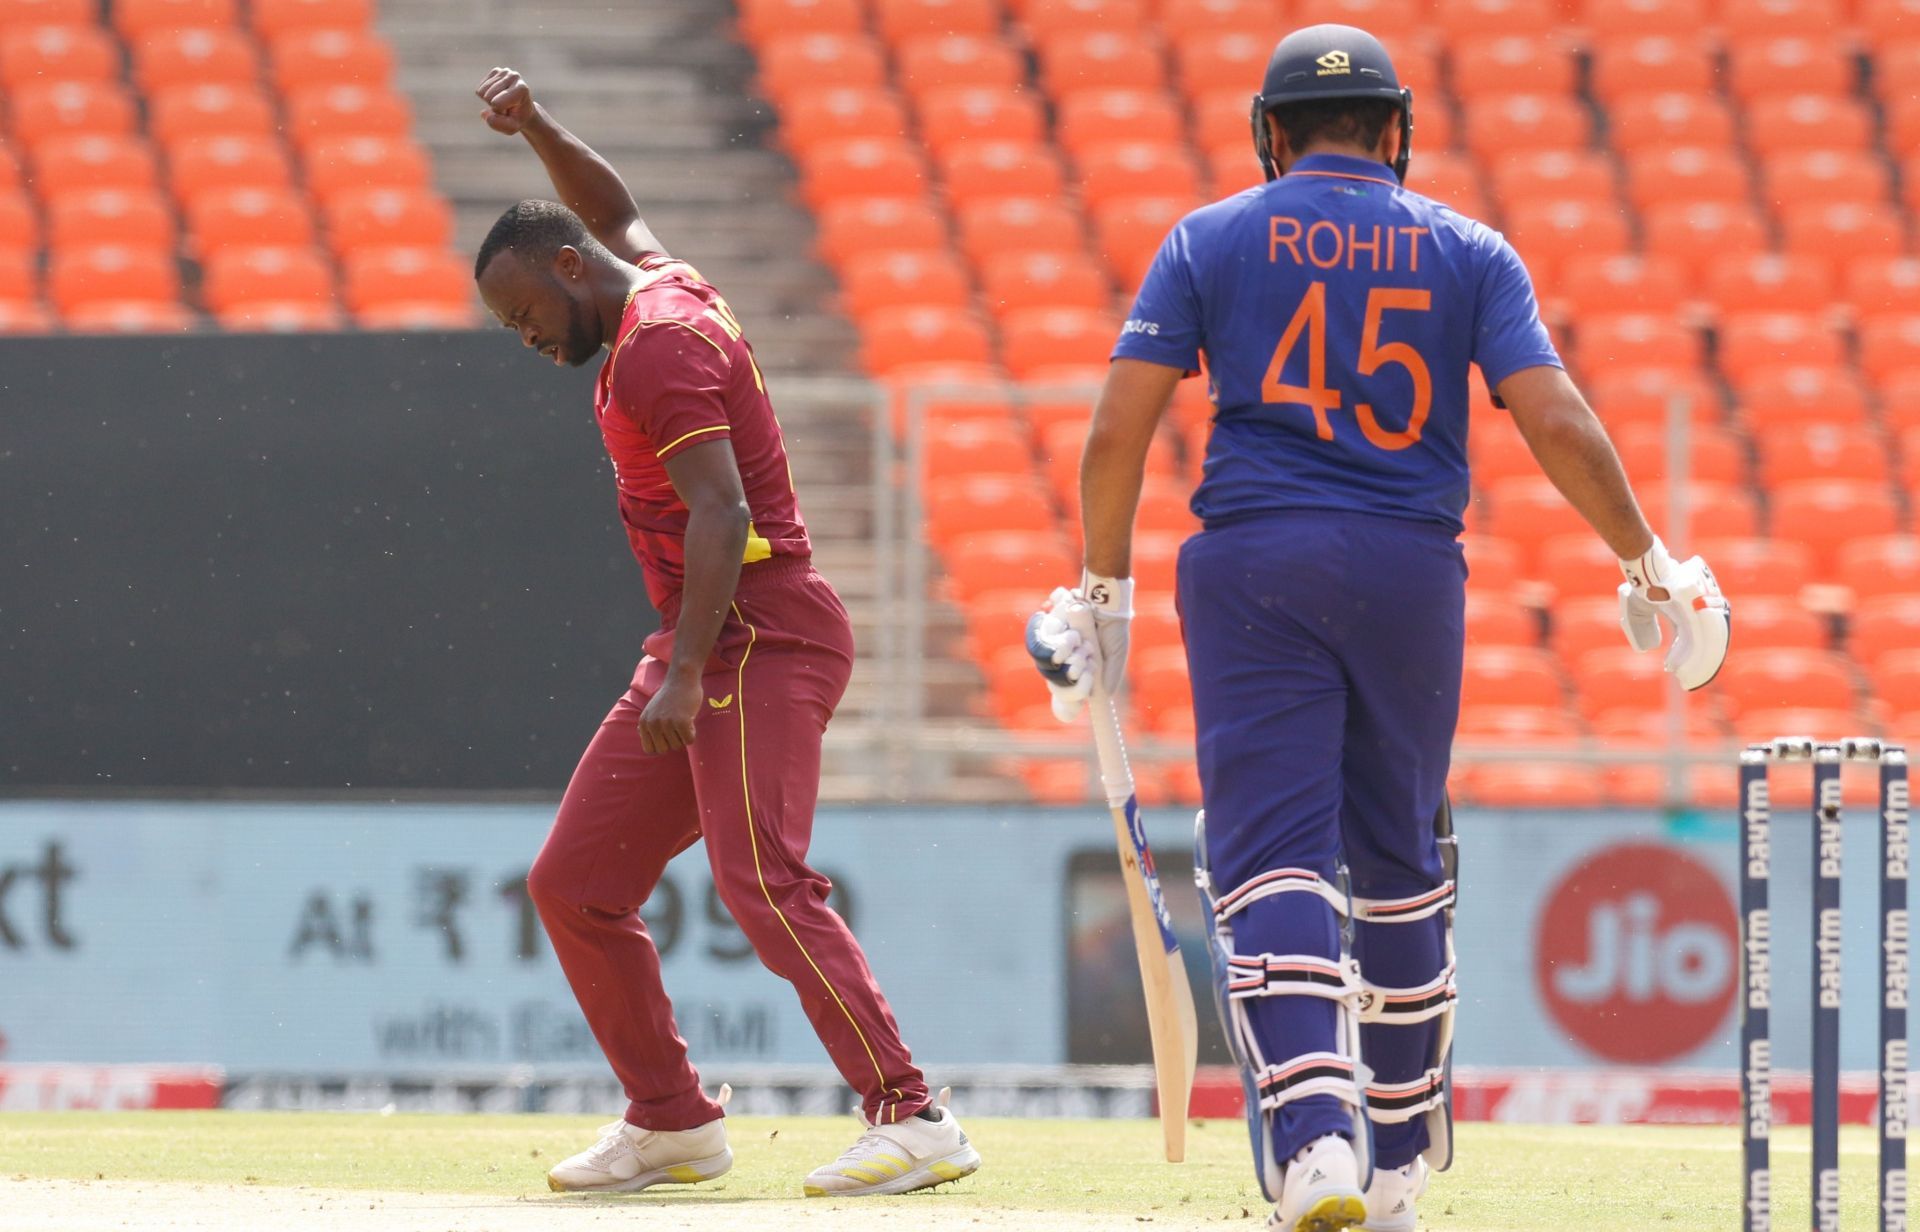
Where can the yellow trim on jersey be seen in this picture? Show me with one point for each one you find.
(757, 546)
(753, 842)
(661, 452)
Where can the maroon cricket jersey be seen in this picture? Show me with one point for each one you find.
(681, 374)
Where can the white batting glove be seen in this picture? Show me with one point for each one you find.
(1079, 641)
(1112, 602)
(1700, 615)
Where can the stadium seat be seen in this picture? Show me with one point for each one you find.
(810, 118)
(1768, 282)
(1495, 620)
(869, 167)
(1796, 452)
(1041, 20)
(1579, 624)
(1651, 120)
(1646, 395)
(1900, 401)
(1686, 175)
(1527, 511)
(1608, 20)
(1128, 233)
(1533, 726)
(347, 111)
(1889, 344)
(950, 393)
(248, 218)
(1615, 678)
(922, 336)
(1577, 564)
(1881, 565)
(1827, 514)
(1026, 559)
(195, 57)
(1210, 60)
(1760, 568)
(235, 277)
(1459, 19)
(984, 170)
(1650, 61)
(101, 272)
(24, 317)
(1810, 122)
(407, 282)
(71, 109)
(210, 164)
(1499, 454)
(68, 163)
(1878, 286)
(800, 62)
(1902, 116)
(1071, 279)
(1534, 784)
(357, 164)
(1255, 17)
(1696, 235)
(1779, 624)
(1795, 178)
(137, 20)
(850, 228)
(1636, 339)
(1745, 20)
(11, 179)
(989, 228)
(1231, 170)
(1787, 66)
(1089, 118)
(1100, 59)
(136, 218)
(1882, 626)
(954, 60)
(27, 13)
(884, 281)
(1601, 285)
(1715, 455)
(1883, 22)
(108, 316)
(1493, 565)
(900, 20)
(19, 274)
(1552, 175)
(1549, 231)
(44, 55)
(955, 116)
(1749, 340)
(1125, 169)
(387, 218)
(1450, 179)
(1714, 510)
(972, 505)
(764, 20)
(1895, 680)
(1034, 338)
(1844, 230)
(1502, 124)
(182, 113)
(273, 18)
(1785, 678)
(1506, 63)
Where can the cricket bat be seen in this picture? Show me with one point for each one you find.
(1163, 976)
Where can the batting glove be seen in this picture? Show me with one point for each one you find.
(1700, 615)
(1079, 641)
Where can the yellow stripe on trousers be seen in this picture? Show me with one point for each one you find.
(753, 842)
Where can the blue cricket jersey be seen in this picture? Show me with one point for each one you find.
(1338, 313)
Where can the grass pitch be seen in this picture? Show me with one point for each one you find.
(1507, 1178)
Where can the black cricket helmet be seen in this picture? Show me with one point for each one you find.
(1330, 61)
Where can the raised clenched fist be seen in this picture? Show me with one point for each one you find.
(509, 101)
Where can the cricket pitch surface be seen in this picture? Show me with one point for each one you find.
(317, 1172)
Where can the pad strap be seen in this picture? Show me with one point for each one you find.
(1311, 1073)
(1403, 1007)
(1301, 975)
(1279, 881)
(1389, 1103)
(1402, 910)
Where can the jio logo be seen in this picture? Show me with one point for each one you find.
(1635, 956)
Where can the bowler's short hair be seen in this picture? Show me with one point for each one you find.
(535, 230)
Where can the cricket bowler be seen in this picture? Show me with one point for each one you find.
(718, 736)
(1322, 603)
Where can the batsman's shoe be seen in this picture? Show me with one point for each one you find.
(628, 1158)
(1320, 1189)
(893, 1159)
(1391, 1197)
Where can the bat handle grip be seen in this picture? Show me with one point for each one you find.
(1116, 776)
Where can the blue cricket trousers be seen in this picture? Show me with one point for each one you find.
(1325, 652)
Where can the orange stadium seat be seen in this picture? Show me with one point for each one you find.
(1780, 624)
(1637, 339)
(233, 277)
(1767, 282)
(985, 170)
(1881, 565)
(1502, 124)
(1548, 231)
(44, 55)
(883, 281)
(1787, 66)
(1209, 60)
(1895, 681)
(1714, 510)
(1576, 565)
(351, 164)
(1714, 455)
(1646, 395)
(180, 113)
(900, 20)
(1498, 454)
(1686, 174)
(1259, 18)
(1594, 285)
(1552, 175)
(137, 218)
(1883, 626)
(273, 18)
(71, 109)
(1697, 234)
(1889, 344)
(1615, 678)
(1755, 339)
(1903, 125)
(138, 19)
(1796, 178)
(953, 60)
(1384, 15)
(1527, 511)
(1609, 19)
(810, 118)
(1827, 514)
(195, 57)
(1534, 784)
(18, 13)
(871, 167)
(1810, 122)
(1027, 559)
(1100, 59)
(1785, 678)
(1230, 171)
(1900, 401)
(1793, 452)
(1068, 279)
(975, 447)
(1017, 224)
(1510, 676)
(1128, 232)
(19, 225)
(1220, 122)
(24, 317)
(1493, 565)
(10, 176)
(207, 164)
(1089, 118)
(1040, 20)
(1761, 568)
(954, 116)
(1450, 179)
(1459, 19)
(248, 218)
(67, 163)
(972, 505)
(949, 393)
(1888, 21)
(880, 224)
(1654, 120)
(102, 272)
(1584, 623)
(1509, 725)
(1117, 170)
(1035, 338)
(109, 316)
(1779, 395)
(922, 336)
(1758, 19)
(281, 317)
(19, 273)
(407, 281)
(764, 20)
(1505, 63)
(799, 62)
(347, 111)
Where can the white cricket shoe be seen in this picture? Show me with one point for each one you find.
(1320, 1189)
(628, 1158)
(1391, 1197)
(894, 1159)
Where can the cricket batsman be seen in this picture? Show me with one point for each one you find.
(1323, 601)
(718, 736)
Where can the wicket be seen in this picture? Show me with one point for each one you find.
(1757, 985)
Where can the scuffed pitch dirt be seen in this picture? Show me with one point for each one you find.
(118, 1206)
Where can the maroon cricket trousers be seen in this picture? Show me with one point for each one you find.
(747, 785)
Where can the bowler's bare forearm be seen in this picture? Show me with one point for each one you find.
(590, 187)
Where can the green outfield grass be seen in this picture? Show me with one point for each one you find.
(1508, 1178)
